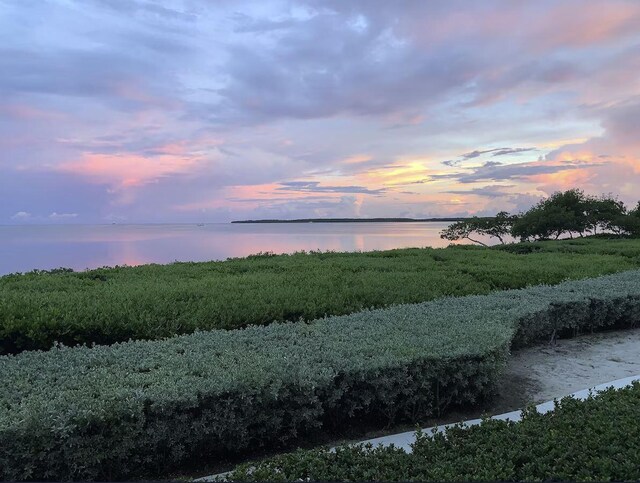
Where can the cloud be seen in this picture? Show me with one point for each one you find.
(315, 187)
(495, 152)
(134, 108)
(124, 170)
(503, 172)
(29, 113)
(138, 7)
(475, 154)
(21, 216)
(357, 159)
(508, 151)
(618, 172)
(36, 192)
(24, 216)
(318, 66)
(491, 191)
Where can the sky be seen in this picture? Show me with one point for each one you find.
(140, 111)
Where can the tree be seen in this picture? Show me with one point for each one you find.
(563, 212)
(498, 227)
(606, 213)
(569, 210)
(462, 230)
(542, 223)
(631, 223)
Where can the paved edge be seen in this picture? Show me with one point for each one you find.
(405, 440)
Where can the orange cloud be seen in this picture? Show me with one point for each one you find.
(398, 173)
(616, 154)
(357, 158)
(564, 180)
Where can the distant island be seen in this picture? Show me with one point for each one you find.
(353, 220)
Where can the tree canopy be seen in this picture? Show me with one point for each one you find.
(498, 227)
(566, 213)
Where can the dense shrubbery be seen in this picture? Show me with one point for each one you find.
(564, 213)
(145, 407)
(109, 305)
(591, 440)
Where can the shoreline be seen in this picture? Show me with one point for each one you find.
(353, 220)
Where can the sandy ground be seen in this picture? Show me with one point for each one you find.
(543, 373)
(546, 372)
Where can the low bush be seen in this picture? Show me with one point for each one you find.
(111, 305)
(591, 440)
(145, 407)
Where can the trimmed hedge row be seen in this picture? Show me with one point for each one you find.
(591, 440)
(105, 306)
(145, 407)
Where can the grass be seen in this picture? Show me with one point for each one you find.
(109, 305)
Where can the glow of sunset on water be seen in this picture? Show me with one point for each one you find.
(134, 111)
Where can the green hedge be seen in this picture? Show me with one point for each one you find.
(592, 440)
(149, 302)
(146, 407)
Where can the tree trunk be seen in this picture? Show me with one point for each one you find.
(477, 241)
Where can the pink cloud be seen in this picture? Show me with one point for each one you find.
(29, 113)
(138, 92)
(123, 170)
(581, 24)
(613, 159)
(357, 158)
(540, 28)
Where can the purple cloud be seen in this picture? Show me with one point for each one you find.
(265, 93)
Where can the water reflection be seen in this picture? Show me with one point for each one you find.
(24, 248)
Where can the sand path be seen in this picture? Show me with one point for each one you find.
(545, 372)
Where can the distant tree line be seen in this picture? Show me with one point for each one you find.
(571, 213)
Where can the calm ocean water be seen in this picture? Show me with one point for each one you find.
(24, 248)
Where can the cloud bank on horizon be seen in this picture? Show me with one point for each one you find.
(199, 111)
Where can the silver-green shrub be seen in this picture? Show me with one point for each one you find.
(142, 408)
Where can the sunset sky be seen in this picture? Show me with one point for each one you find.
(208, 111)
